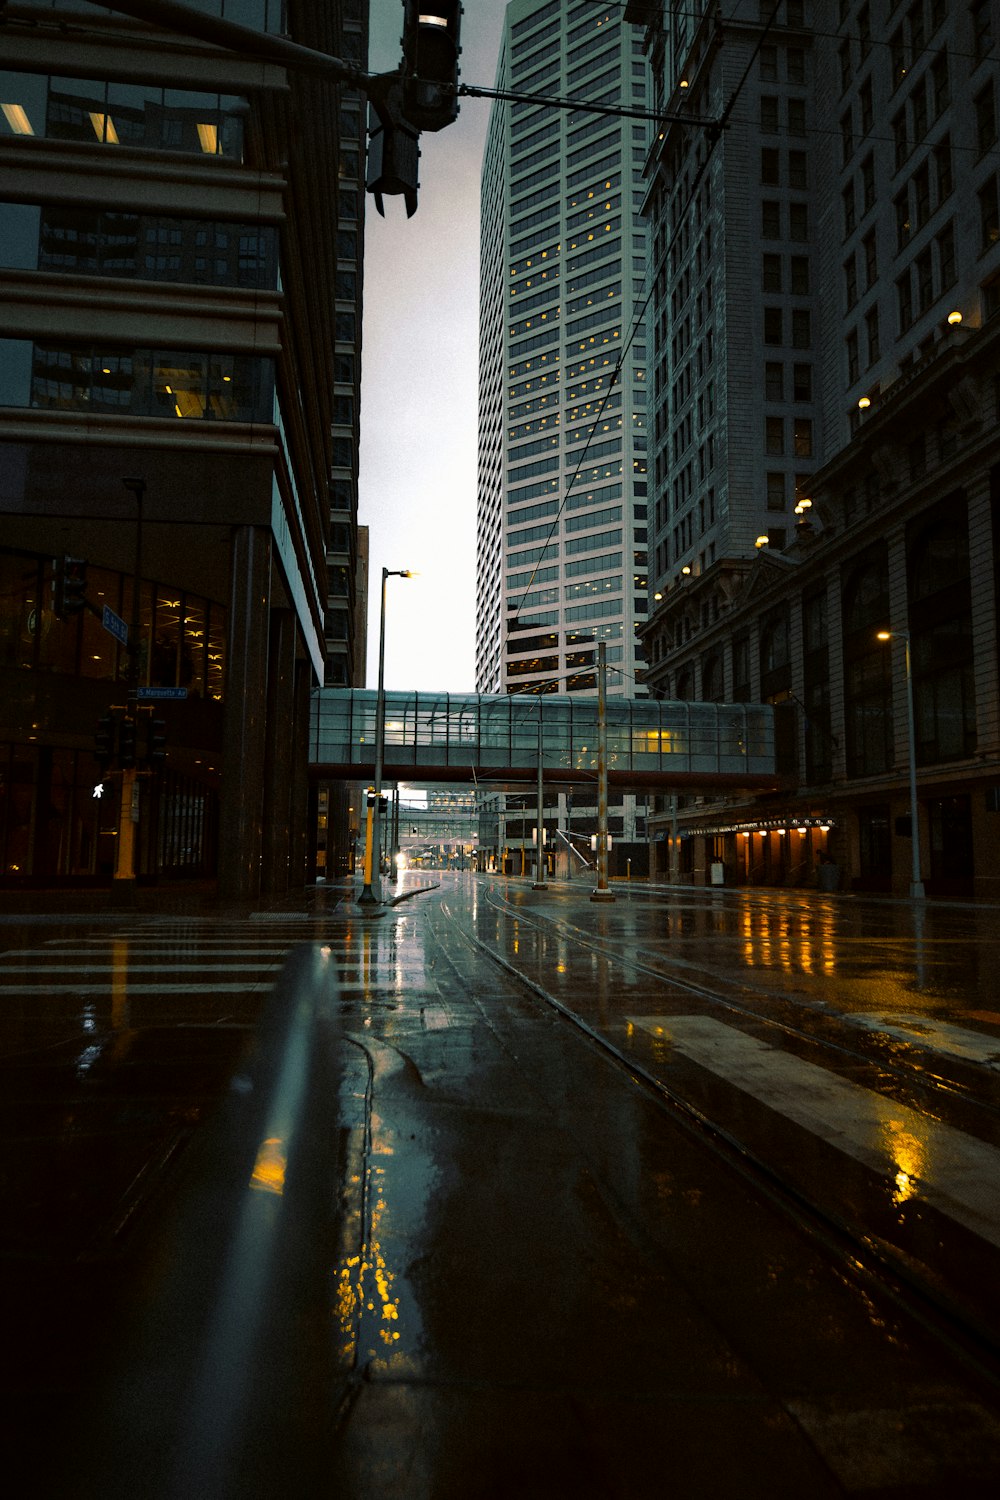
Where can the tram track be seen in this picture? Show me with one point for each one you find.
(867, 1257)
(863, 1049)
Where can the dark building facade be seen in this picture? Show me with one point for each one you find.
(826, 359)
(180, 330)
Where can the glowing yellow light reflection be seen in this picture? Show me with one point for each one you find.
(17, 119)
(269, 1169)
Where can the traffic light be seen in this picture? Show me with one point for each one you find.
(393, 152)
(431, 30)
(104, 741)
(156, 752)
(126, 743)
(74, 586)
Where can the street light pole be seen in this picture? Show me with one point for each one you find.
(540, 883)
(916, 881)
(603, 891)
(371, 893)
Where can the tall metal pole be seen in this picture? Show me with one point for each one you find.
(128, 816)
(540, 883)
(602, 893)
(371, 892)
(916, 881)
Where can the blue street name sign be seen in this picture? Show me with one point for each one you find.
(114, 625)
(161, 692)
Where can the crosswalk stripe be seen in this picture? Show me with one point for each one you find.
(939, 1036)
(925, 1158)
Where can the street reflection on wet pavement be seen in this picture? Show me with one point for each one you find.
(467, 1248)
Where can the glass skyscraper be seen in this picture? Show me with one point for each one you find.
(562, 434)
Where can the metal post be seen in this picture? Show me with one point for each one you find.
(128, 817)
(371, 893)
(539, 881)
(916, 881)
(602, 893)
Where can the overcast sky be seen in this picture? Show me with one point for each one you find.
(420, 366)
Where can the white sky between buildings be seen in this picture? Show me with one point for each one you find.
(419, 383)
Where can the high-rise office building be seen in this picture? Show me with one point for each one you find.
(180, 255)
(562, 435)
(825, 367)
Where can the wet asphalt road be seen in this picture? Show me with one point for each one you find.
(439, 1240)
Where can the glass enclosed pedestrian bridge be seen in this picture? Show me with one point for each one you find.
(455, 737)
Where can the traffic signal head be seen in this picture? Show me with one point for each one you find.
(74, 585)
(393, 150)
(126, 742)
(104, 741)
(157, 747)
(431, 31)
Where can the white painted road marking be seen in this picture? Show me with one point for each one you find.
(938, 1036)
(945, 1167)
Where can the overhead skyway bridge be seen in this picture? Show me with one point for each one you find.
(494, 741)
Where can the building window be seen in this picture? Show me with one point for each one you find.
(942, 168)
(850, 215)
(850, 281)
(800, 275)
(989, 214)
(771, 274)
(922, 195)
(775, 490)
(769, 113)
(136, 382)
(902, 206)
(770, 166)
(798, 222)
(803, 437)
(899, 139)
(941, 612)
(801, 328)
(868, 183)
(853, 360)
(870, 252)
(798, 175)
(773, 326)
(774, 435)
(940, 84)
(947, 267)
(802, 384)
(986, 120)
(867, 667)
(982, 29)
(872, 331)
(770, 219)
(774, 381)
(904, 301)
(867, 106)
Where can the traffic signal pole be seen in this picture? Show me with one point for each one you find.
(128, 816)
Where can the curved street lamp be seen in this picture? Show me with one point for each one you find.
(916, 882)
(371, 892)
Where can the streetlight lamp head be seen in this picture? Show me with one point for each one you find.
(864, 403)
(955, 316)
(883, 635)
